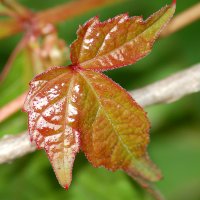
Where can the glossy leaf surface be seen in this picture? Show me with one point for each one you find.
(119, 41)
(65, 104)
(74, 107)
(52, 118)
(114, 129)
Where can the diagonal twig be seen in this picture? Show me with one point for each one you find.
(70, 9)
(12, 107)
(169, 89)
(12, 57)
(13, 147)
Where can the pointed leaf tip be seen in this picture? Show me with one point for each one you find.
(51, 120)
(66, 187)
(174, 2)
(114, 138)
(119, 41)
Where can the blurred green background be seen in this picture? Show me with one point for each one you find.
(175, 133)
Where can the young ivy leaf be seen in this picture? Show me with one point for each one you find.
(117, 42)
(76, 107)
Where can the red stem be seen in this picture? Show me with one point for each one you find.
(8, 65)
(71, 9)
(12, 107)
(59, 13)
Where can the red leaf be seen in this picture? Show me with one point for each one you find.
(52, 119)
(114, 129)
(67, 103)
(72, 108)
(119, 41)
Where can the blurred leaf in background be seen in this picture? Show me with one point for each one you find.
(175, 134)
